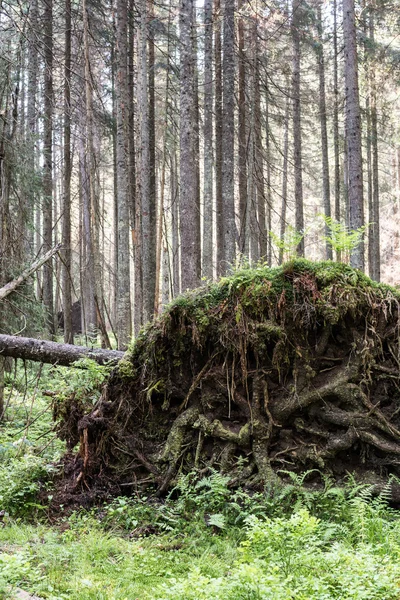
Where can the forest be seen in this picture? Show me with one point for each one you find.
(199, 299)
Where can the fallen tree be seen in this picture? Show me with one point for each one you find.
(292, 368)
(53, 353)
(11, 286)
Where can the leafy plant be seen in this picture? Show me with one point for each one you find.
(289, 243)
(340, 238)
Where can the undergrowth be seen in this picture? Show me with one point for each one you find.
(207, 542)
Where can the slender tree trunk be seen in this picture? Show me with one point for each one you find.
(374, 237)
(324, 130)
(336, 123)
(259, 151)
(208, 245)
(242, 126)
(353, 130)
(188, 174)
(31, 111)
(66, 218)
(298, 177)
(284, 180)
(124, 329)
(218, 137)
(228, 136)
(149, 303)
(48, 298)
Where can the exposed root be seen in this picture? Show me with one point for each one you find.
(291, 369)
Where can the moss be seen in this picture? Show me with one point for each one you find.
(247, 309)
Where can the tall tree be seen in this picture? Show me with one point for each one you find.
(123, 295)
(66, 217)
(218, 137)
(374, 216)
(296, 95)
(48, 297)
(323, 125)
(190, 250)
(228, 126)
(353, 130)
(208, 246)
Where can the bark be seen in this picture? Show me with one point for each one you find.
(190, 249)
(284, 179)
(298, 177)
(218, 137)
(66, 213)
(12, 285)
(146, 187)
(242, 126)
(207, 270)
(51, 352)
(324, 130)
(48, 298)
(228, 136)
(150, 303)
(124, 327)
(374, 233)
(353, 130)
(336, 123)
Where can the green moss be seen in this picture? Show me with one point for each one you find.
(250, 309)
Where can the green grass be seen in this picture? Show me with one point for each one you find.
(203, 542)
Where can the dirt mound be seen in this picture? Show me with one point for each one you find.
(270, 369)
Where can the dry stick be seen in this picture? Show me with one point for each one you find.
(12, 285)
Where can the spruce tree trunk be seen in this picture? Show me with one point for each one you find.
(228, 136)
(297, 151)
(336, 124)
(324, 130)
(124, 328)
(190, 275)
(374, 233)
(66, 213)
(208, 246)
(48, 298)
(218, 137)
(353, 130)
(242, 127)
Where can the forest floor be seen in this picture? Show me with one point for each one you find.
(203, 541)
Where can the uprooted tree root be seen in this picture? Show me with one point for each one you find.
(270, 369)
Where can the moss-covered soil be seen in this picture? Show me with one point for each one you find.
(268, 370)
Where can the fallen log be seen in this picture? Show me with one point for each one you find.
(53, 353)
(39, 262)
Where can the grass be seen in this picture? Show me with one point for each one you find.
(203, 542)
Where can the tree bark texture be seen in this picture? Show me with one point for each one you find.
(353, 130)
(228, 136)
(44, 351)
(190, 250)
(297, 151)
(124, 325)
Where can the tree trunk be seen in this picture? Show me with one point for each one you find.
(218, 138)
(124, 328)
(336, 123)
(324, 131)
(188, 175)
(207, 270)
(66, 213)
(228, 136)
(298, 177)
(48, 299)
(51, 352)
(353, 130)
(242, 126)
(374, 233)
